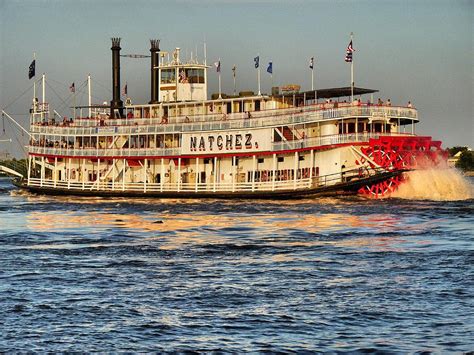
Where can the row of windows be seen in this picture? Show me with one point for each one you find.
(191, 76)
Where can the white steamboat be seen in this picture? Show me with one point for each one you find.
(182, 144)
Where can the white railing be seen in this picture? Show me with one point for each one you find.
(88, 152)
(209, 187)
(331, 140)
(149, 152)
(143, 152)
(259, 119)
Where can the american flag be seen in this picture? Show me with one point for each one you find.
(182, 77)
(311, 63)
(72, 88)
(234, 68)
(349, 51)
(125, 92)
(218, 66)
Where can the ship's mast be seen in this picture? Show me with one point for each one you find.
(90, 94)
(43, 83)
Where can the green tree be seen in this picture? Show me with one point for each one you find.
(466, 161)
(454, 150)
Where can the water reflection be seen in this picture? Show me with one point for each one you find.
(173, 230)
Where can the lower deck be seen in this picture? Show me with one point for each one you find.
(298, 170)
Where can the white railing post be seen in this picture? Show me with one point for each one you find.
(274, 171)
(162, 174)
(197, 176)
(295, 170)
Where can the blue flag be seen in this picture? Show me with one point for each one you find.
(257, 61)
(31, 69)
(270, 68)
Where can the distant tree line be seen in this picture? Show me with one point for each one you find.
(466, 160)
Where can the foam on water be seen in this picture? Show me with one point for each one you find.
(435, 184)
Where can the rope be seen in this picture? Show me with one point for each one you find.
(22, 146)
(18, 97)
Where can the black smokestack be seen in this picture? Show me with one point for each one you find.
(154, 49)
(116, 103)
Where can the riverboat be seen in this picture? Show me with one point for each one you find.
(287, 144)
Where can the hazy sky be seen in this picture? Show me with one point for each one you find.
(409, 50)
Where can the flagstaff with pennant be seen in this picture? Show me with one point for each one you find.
(270, 70)
(31, 74)
(349, 59)
(218, 69)
(257, 66)
(72, 88)
(234, 68)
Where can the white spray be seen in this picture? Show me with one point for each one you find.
(435, 184)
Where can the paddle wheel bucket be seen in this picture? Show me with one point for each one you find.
(400, 153)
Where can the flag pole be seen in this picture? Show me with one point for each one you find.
(90, 94)
(258, 74)
(220, 96)
(233, 74)
(44, 96)
(34, 86)
(352, 74)
(74, 102)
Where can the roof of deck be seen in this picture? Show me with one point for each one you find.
(331, 93)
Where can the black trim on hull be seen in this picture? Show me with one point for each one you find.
(346, 188)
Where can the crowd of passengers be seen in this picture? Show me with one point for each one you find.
(329, 103)
(51, 144)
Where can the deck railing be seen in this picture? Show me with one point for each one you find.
(208, 187)
(259, 119)
(153, 152)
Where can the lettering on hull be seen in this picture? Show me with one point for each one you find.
(234, 141)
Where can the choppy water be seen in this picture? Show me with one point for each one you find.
(82, 274)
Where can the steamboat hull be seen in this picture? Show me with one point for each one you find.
(346, 188)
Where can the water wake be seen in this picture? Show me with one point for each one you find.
(435, 184)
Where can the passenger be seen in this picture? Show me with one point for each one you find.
(129, 114)
(187, 120)
(164, 119)
(409, 104)
(389, 103)
(379, 102)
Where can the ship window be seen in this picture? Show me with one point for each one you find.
(351, 127)
(195, 76)
(261, 160)
(206, 161)
(281, 159)
(168, 76)
(301, 157)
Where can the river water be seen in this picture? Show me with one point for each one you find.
(333, 274)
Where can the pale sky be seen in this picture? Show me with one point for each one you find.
(409, 50)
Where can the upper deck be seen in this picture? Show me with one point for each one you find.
(157, 122)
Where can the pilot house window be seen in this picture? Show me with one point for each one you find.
(168, 76)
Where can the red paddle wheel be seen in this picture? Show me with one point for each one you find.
(399, 153)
